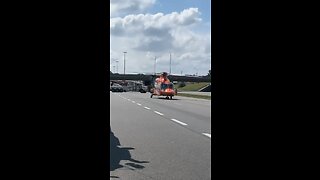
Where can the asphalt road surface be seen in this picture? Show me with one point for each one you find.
(156, 138)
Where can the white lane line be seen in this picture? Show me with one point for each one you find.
(146, 107)
(138, 104)
(133, 101)
(177, 121)
(207, 134)
(158, 113)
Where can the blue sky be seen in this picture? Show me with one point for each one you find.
(183, 29)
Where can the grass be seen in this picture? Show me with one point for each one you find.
(193, 86)
(194, 96)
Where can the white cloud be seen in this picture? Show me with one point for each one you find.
(159, 21)
(147, 35)
(121, 7)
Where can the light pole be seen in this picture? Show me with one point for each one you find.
(124, 63)
(116, 60)
(117, 66)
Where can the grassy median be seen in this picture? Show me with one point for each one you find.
(194, 96)
(192, 86)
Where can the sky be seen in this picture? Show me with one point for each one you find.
(154, 29)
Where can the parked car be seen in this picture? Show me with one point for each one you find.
(116, 88)
(143, 89)
(125, 88)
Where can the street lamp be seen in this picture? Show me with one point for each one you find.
(117, 66)
(116, 60)
(124, 63)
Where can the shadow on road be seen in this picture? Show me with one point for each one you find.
(121, 153)
(173, 99)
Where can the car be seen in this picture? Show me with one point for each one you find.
(143, 89)
(116, 88)
(125, 88)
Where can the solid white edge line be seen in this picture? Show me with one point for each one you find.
(158, 113)
(177, 121)
(146, 107)
(207, 134)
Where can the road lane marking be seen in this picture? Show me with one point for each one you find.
(133, 101)
(207, 134)
(146, 107)
(158, 113)
(138, 104)
(177, 121)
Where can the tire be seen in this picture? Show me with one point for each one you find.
(151, 96)
(171, 97)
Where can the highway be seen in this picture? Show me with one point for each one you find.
(156, 138)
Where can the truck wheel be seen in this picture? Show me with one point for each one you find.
(170, 97)
(151, 95)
